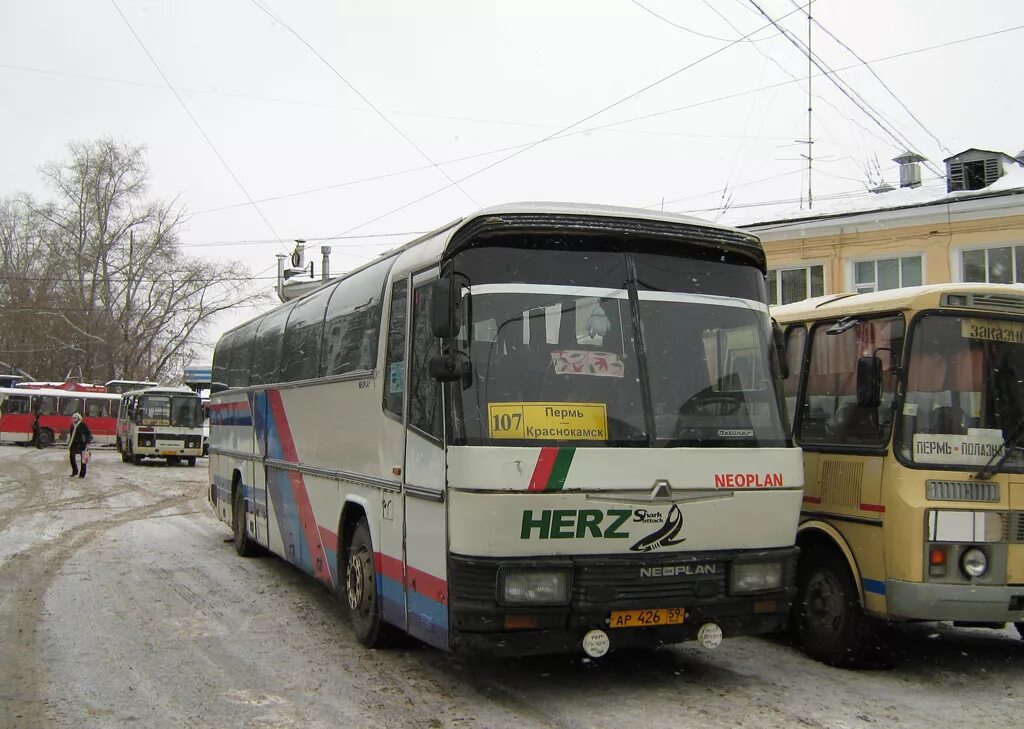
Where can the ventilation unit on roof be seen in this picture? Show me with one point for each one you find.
(910, 168)
(974, 169)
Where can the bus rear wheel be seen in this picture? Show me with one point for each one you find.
(360, 590)
(830, 623)
(244, 546)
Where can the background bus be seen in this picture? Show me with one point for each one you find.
(160, 422)
(605, 463)
(909, 406)
(55, 407)
(122, 386)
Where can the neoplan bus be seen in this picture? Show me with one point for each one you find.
(540, 428)
(160, 422)
(19, 405)
(909, 407)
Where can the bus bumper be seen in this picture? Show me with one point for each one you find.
(480, 625)
(980, 603)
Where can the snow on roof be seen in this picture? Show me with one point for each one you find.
(1012, 179)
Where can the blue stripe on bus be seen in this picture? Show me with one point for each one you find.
(392, 600)
(428, 619)
(875, 586)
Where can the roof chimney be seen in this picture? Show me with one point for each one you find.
(910, 169)
(325, 267)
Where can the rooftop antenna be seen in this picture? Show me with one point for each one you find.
(810, 140)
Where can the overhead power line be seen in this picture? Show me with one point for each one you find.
(830, 34)
(844, 88)
(193, 118)
(562, 131)
(362, 96)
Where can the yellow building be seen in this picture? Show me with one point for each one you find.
(969, 229)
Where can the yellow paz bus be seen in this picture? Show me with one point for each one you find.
(908, 405)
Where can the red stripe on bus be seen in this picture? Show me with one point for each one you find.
(432, 588)
(542, 471)
(812, 499)
(873, 507)
(389, 567)
(329, 539)
(299, 493)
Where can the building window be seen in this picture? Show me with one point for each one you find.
(787, 285)
(994, 265)
(882, 274)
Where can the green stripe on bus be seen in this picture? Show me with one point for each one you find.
(561, 469)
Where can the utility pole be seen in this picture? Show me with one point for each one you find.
(810, 139)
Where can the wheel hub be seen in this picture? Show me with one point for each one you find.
(355, 580)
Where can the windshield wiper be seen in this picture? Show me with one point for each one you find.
(999, 457)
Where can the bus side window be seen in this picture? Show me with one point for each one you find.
(424, 391)
(45, 404)
(394, 364)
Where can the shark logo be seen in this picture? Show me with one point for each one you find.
(665, 536)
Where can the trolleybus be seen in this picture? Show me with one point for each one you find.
(19, 406)
(909, 406)
(160, 422)
(541, 428)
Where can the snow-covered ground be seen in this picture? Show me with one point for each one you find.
(121, 604)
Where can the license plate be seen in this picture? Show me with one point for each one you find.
(646, 618)
(168, 453)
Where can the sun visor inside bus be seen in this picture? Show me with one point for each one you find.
(489, 229)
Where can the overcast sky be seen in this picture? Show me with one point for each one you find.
(297, 104)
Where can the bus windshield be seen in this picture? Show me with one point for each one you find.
(169, 410)
(965, 392)
(609, 348)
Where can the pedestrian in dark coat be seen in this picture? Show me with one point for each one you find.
(78, 444)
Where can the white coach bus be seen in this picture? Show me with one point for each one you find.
(540, 428)
(160, 422)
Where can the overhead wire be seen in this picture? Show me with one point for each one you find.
(844, 87)
(193, 118)
(362, 96)
(562, 131)
(830, 34)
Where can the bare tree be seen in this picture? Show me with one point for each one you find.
(108, 292)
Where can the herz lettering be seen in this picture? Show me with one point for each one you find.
(574, 524)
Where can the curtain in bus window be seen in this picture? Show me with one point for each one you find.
(353, 319)
(94, 408)
(394, 361)
(70, 405)
(424, 391)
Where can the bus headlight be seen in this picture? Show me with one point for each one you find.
(520, 586)
(974, 562)
(755, 577)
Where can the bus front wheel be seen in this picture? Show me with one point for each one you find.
(831, 624)
(360, 586)
(191, 461)
(1020, 629)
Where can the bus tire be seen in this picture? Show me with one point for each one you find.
(191, 461)
(45, 438)
(244, 546)
(831, 624)
(136, 459)
(360, 590)
(1020, 629)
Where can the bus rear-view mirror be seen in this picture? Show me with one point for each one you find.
(449, 367)
(444, 307)
(869, 381)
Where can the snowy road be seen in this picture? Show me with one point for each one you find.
(121, 604)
